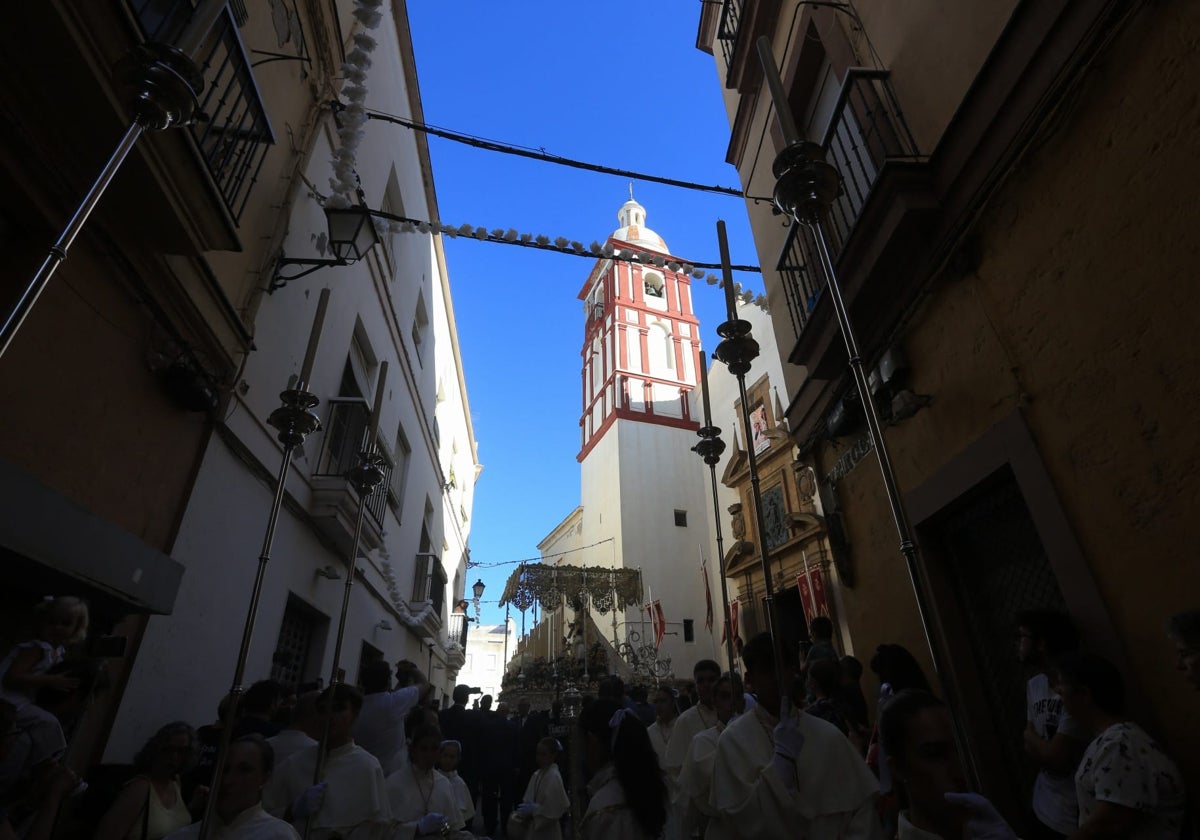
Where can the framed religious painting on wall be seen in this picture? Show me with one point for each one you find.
(758, 427)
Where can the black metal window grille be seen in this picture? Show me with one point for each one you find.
(727, 30)
(296, 633)
(233, 132)
(345, 436)
(997, 567)
(429, 583)
(866, 131)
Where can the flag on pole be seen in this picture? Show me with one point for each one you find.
(708, 614)
(658, 620)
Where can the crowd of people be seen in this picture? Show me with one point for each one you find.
(786, 747)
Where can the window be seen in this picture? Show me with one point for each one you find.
(392, 203)
(420, 324)
(366, 656)
(689, 630)
(652, 282)
(401, 453)
(297, 656)
(681, 518)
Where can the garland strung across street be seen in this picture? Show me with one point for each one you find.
(391, 223)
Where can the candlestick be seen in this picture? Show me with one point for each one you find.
(314, 338)
(375, 412)
(782, 109)
(726, 273)
(704, 388)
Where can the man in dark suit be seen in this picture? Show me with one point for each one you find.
(459, 724)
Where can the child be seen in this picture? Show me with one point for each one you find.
(61, 621)
(448, 764)
(545, 799)
(25, 671)
(421, 799)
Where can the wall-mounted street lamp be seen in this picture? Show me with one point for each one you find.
(478, 590)
(351, 235)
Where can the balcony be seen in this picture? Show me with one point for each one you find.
(727, 29)
(456, 640)
(233, 133)
(334, 499)
(429, 589)
(874, 227)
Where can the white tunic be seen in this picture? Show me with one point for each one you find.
(608, 816)
(835, 795)
(412, 794)
(695, 781)
(355, 794)
(660, 736)
(289, 742)
(462, 797)
(546, 790)
(687, 726)
(379, 727)
(252, 824)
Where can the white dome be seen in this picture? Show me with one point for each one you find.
(633, 230)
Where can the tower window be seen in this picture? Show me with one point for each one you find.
(681, 518)
(689, 630)
(653, 284)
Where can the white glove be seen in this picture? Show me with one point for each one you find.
(309, 802)
(527, 809)
(431, 824)
(983, 821)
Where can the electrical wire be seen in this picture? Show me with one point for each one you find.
(531, 560)
(543, 155)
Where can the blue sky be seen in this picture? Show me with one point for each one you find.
(617, 84)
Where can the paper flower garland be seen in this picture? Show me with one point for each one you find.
(344, 182)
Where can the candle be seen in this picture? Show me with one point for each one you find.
(727, 273)
(782, 109)
(314, 338)
(373, 434)
(704, 388)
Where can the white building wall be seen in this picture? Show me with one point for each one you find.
(186, 661)
(485, 657)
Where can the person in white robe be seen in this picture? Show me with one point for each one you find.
(696, 719)
(695, 776)
(420, 798)
(798, 776)
(379, 728)
(300, 729)
(239, 813)
(351, 790)
(545, 800)
(666, 712)
(448, 761)
(628, 795)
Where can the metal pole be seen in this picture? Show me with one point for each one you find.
(725, 630)
(295, 421)
(58, 251)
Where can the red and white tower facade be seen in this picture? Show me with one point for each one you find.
(641, 485)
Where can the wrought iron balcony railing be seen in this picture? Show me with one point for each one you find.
(345, 435)
(456, 631)
(233, 133)
(727, 29)
(867, 130)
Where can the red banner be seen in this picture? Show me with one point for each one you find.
(708, 614)
(658, 620)
(812, 594)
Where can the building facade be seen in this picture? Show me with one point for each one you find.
(173, 327)
(1010, 244)
(489, 647)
